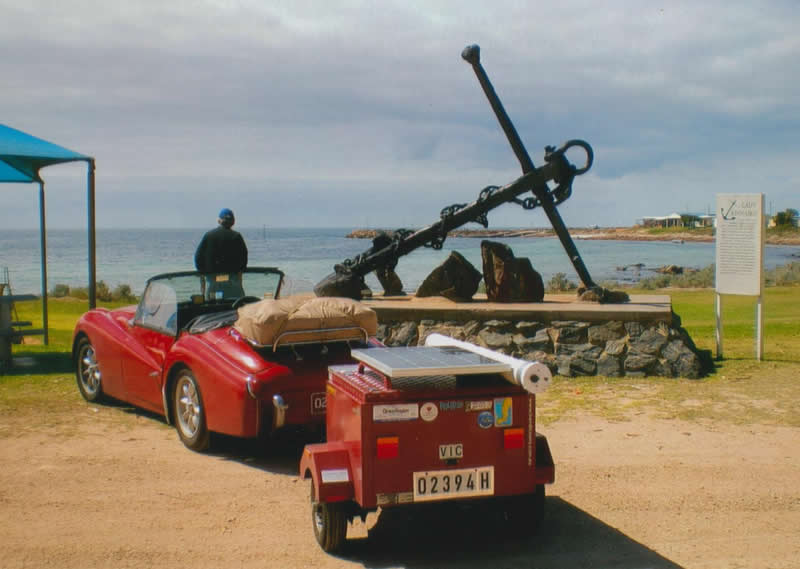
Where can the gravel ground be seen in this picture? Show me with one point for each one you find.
(105, 486)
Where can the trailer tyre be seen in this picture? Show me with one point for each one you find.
(330, 523)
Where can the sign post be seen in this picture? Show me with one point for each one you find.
(740, 257)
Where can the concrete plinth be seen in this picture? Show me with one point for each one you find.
(641, 308)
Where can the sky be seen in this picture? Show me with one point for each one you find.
(363, 114)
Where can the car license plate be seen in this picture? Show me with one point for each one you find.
(446, 484)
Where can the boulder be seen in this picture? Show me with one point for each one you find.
(455, 279)
(508, 278)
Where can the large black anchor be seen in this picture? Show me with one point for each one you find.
(348, 277)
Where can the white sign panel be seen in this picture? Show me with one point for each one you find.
(740, 244)
(397, 412)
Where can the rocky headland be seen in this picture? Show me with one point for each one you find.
(635, 233)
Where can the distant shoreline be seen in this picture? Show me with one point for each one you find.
(596, 233)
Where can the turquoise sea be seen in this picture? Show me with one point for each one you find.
(130, 256)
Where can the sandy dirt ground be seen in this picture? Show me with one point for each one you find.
(105, 486)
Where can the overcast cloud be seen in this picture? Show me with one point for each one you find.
(357, 114)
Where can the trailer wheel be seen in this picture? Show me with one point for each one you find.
(330, 523)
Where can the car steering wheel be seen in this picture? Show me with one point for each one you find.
(242, 300)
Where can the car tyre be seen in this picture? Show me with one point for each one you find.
(87, 371)
(190, 414)
(330, 523)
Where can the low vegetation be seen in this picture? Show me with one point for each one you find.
(121, 293)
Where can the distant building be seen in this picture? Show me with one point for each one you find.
(689, 220)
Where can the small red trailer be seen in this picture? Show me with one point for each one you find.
(408, 425)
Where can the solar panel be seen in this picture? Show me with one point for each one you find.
(416, 361)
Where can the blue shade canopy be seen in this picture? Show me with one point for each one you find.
(22, 155)
(21, 158)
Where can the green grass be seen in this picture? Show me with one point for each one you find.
(740, 390)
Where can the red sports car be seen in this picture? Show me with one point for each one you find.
(179, 354)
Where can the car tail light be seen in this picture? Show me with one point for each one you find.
(388, 447)
(513, 438)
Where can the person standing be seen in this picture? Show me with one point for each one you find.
(222, 250)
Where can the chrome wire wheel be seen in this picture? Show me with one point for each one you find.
(87, 371)
(190, 418)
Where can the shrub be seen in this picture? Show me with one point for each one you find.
(559, 283)
(123, 292)
(783, 276)
(60, 291)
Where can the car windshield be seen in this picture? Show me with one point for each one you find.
(171, 300)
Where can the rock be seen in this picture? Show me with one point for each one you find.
(636, 362)
(663, 368)
(616, 347)
(540, 341)
(602, 333)
(634, 329)
(495, 340)
(405, 335)
(508, 278)
(455, 279)
(567, 333)
(529, 328)
(609, 365)
(649, 342)
(641, 349)
(498, 325)
(670, 270)
(602, 295)
(582, 350)
(583, 365)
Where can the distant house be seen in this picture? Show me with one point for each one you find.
(671, 220)
(675, 219)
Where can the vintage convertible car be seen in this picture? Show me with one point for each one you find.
(184, 352)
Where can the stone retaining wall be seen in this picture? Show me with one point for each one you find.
(571, 348)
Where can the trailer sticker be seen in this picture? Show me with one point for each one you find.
(478, 405)
(429, 411)
(335, 475)
(451, 405)
(503, 416)
(397, 412)
(485, 420)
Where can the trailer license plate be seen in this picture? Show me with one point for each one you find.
(445, 484)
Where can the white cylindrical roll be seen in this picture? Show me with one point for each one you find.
(534, 377)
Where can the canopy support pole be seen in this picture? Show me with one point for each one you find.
(43, 246)
(92, 236)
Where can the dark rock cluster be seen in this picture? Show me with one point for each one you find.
(571, 348)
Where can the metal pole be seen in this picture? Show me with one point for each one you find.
(43, 242)
(718, 331)
(92, 236)
(760, 328)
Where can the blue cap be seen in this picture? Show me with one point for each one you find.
(225, 213)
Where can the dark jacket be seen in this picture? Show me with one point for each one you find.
(222, 250)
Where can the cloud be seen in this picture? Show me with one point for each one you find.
(366, 110)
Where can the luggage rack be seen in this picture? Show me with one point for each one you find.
(316, 336)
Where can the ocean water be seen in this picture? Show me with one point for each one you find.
(130, 256)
